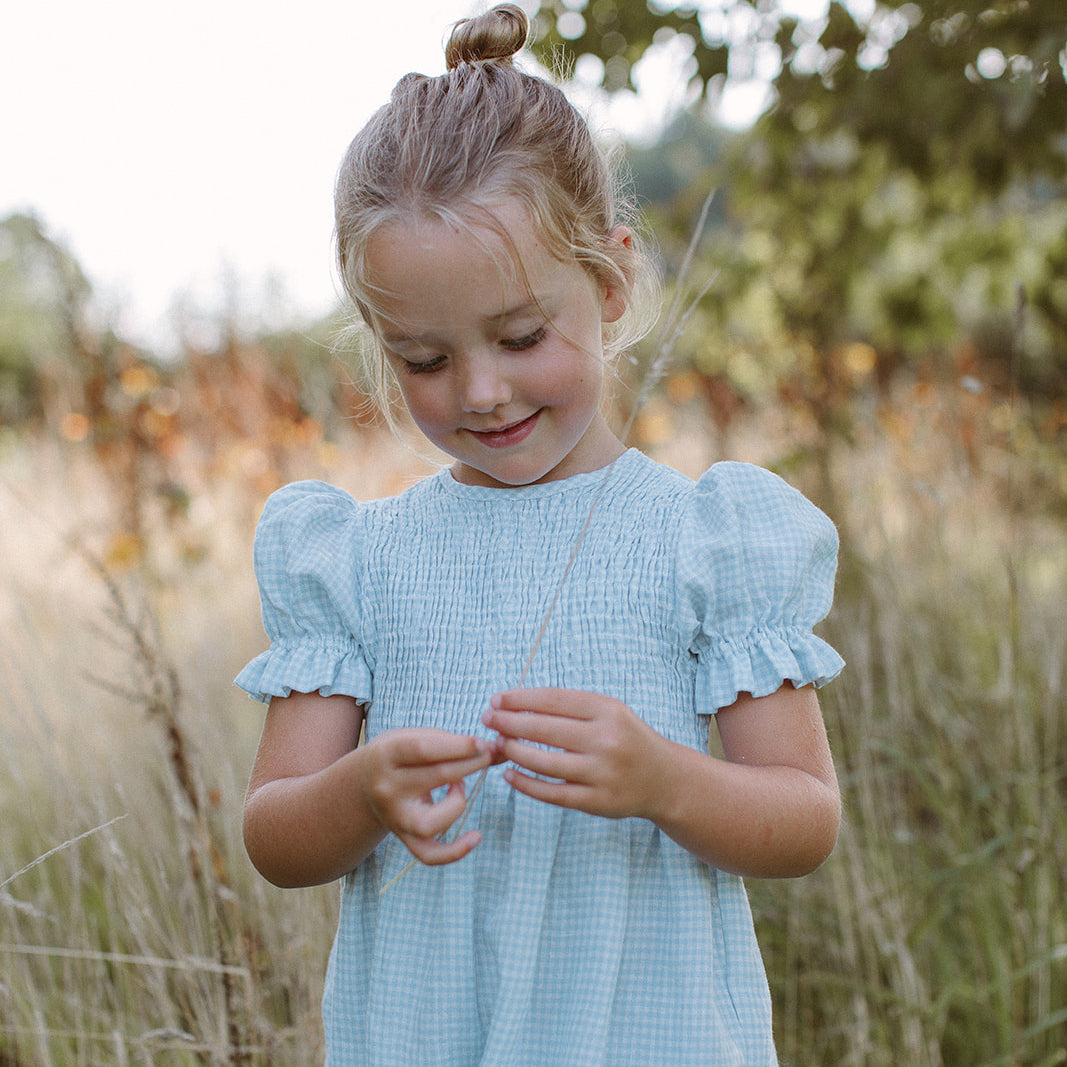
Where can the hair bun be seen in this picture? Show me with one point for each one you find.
(498, 34)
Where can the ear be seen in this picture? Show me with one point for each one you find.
(614, 297)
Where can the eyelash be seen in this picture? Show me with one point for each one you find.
(519, 344)
(424, 368)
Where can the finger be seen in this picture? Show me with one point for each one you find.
(428, 818)
(424, 778)
(433, 853)
(551, 730)
(561, 794)
(572, 703)
(553, 763)
(422, 747)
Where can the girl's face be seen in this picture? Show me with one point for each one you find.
(499, 360)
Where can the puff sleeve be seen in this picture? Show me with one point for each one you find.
(756, 566)
(307, 564)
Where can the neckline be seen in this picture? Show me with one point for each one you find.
(620, 466)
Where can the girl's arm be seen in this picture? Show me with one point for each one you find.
(317, 804)
(770, 808)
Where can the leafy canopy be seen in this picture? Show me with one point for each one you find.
(906, 179)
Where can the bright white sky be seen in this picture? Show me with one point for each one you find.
(169, 145)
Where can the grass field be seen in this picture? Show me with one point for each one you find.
(133, 930)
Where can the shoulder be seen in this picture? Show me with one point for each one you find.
(305, 502)
(646, 483)
(307, 519)
(735, 484)
(753, 505)
(314, 510)
(303, 522)
(753, 547)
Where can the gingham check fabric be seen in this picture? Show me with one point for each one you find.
(563, 939)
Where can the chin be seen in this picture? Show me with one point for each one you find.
(513, 477)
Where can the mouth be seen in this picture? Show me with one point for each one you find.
(511, 434)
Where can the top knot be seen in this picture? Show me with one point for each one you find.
(498, 34)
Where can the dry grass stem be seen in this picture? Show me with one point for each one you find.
(677, 318)
(935, 935)
(190, 964)
(59, 848)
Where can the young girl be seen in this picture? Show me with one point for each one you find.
(589, 909)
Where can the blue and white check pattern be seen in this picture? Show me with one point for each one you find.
(563, 938)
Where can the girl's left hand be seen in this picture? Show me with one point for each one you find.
(603, 757)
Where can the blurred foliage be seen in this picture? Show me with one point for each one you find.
(872, 235)
(971, 85)
(897, 216)
(899, 204)
(43, 300)
(254, 404)
(889, 252)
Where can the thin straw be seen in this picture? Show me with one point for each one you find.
(673, 328)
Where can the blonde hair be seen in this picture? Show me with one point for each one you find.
(447, 147)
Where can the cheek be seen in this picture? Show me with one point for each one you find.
(575, 373)
(589, 379)
(424, 404)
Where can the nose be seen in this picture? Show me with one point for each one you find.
(485, 386)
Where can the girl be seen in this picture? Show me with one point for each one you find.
(590, 909)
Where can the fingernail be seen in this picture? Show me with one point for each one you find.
(496, 700)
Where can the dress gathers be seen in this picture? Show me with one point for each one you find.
(563, 938)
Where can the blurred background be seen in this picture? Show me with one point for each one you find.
(886, 326)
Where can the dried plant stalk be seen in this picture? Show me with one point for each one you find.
(59, 848)
(677, 318)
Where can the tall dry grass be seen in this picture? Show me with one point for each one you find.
(937, 934)
(132, 929)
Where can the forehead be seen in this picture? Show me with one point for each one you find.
(485, 262)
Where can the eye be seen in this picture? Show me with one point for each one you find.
(520, 344)
(427, 366)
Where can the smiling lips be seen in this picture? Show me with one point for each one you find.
(508, 435)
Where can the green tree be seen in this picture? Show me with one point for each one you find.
(972, 84)
(43, 299)
(908, 175)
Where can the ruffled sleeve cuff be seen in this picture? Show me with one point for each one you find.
(760, 662)
(307, 561)
(756, 564)
(329, 664)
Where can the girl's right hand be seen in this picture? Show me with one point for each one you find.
(400, 770)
